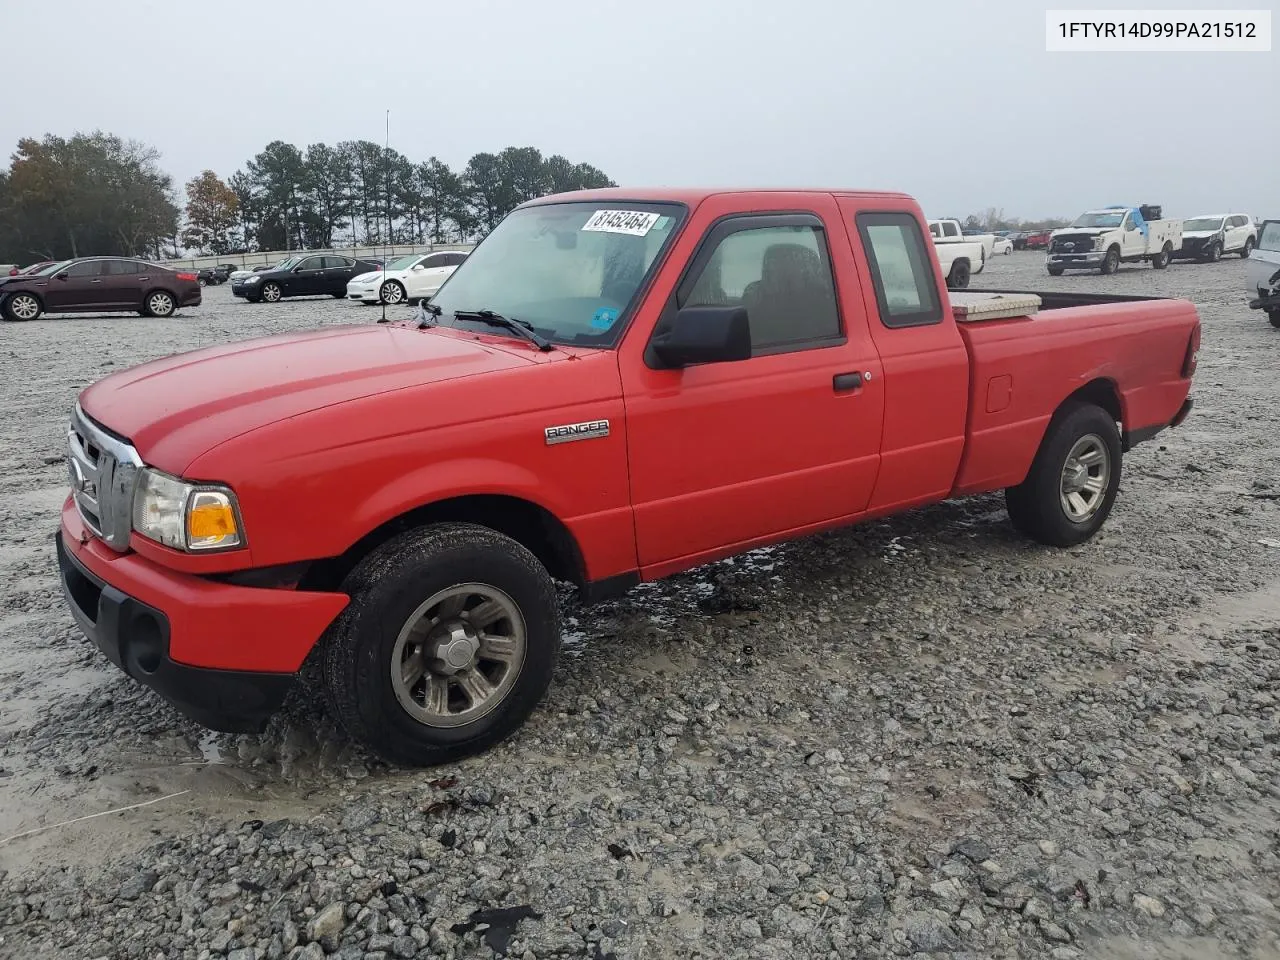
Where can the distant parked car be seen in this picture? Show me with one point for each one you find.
(243, 272)
(33, 268)
(1038, 240)
(1002, 245)
(414, 277)
(308, 276)
(99, 285)
(1207, 238)
(1019, 240)
(1264, 272)
(208, 276)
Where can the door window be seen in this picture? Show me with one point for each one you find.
(781, 273)
(123, 268)
(89, 268)
(901, 271)
(312, 263)
(338, 263)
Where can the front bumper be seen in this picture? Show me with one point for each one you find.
(244, 289)
(1194, 248)
(1076, 261)
(363, 292)
(1266, 301)
(223, 655)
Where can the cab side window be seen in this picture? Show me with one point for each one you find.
(901, 271)
(779, 269)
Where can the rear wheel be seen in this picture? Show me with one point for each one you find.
(1274, 316)
(1071, 487)
(447, 646)
(271, 292)
(1055, 271)
(1246, 249)
(159, 303)
(1163, 258)
(1111, 262)
(958, 279)
(22, 307)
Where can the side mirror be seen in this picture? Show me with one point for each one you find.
(419, 266)
(60, 276)
(704, 335)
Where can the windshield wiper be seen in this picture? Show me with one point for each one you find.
(521, 327)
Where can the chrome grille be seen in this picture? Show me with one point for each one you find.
(103, 472)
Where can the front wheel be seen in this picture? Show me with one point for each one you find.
(1071, 487)
(447, 646)
(160, 304)
(1055, 271)
(22, 307)
(1274, 316)
(271, 292)
(1215, 253)
(1111, 262)
(1246, 249)
(391, 292)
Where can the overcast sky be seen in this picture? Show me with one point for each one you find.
(954, 101)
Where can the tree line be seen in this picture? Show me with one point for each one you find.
(98, 194)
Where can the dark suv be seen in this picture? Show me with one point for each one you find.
(306, 275)
(98, 285)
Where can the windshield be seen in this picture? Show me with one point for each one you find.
(1106, 218)
(1204, 223)
(571, 270)
(1270, 237)
(404, 263)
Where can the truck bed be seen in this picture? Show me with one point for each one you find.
(1023, 368)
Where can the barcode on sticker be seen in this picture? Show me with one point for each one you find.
(635, 222)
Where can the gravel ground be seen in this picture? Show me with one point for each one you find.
(918, 737)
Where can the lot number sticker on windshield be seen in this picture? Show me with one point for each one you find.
(637, 223)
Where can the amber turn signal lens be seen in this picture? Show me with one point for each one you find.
(211, 521)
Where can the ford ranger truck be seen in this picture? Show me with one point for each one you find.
(1103, 239)
(613, 387)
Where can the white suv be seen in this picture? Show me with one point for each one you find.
(1208, 237)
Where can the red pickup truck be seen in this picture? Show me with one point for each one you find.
(615, 386)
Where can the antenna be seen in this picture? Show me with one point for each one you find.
(386, 177)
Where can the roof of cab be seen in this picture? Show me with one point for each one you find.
(692, 196)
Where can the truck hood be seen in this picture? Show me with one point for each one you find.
(1091, 231)
(176, 408)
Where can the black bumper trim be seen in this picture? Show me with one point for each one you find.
(1134, 437)
(135, 637)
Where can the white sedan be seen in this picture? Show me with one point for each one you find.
(414, 277)
(1003, 245)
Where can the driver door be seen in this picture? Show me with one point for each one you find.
(306, 278)
(426, 275)
(1132, 242)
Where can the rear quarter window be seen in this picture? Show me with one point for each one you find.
(1269, 239)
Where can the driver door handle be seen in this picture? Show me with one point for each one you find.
(846, 382)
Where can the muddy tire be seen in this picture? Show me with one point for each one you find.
(1111, 262)
(1247, 248)
(958, 278)
(447, 646)
(1071, 487)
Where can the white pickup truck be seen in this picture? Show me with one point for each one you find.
(1103, 239)
(961, 257)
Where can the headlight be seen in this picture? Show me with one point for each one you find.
(1099, 242)
(185, 516)
(254, 279)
